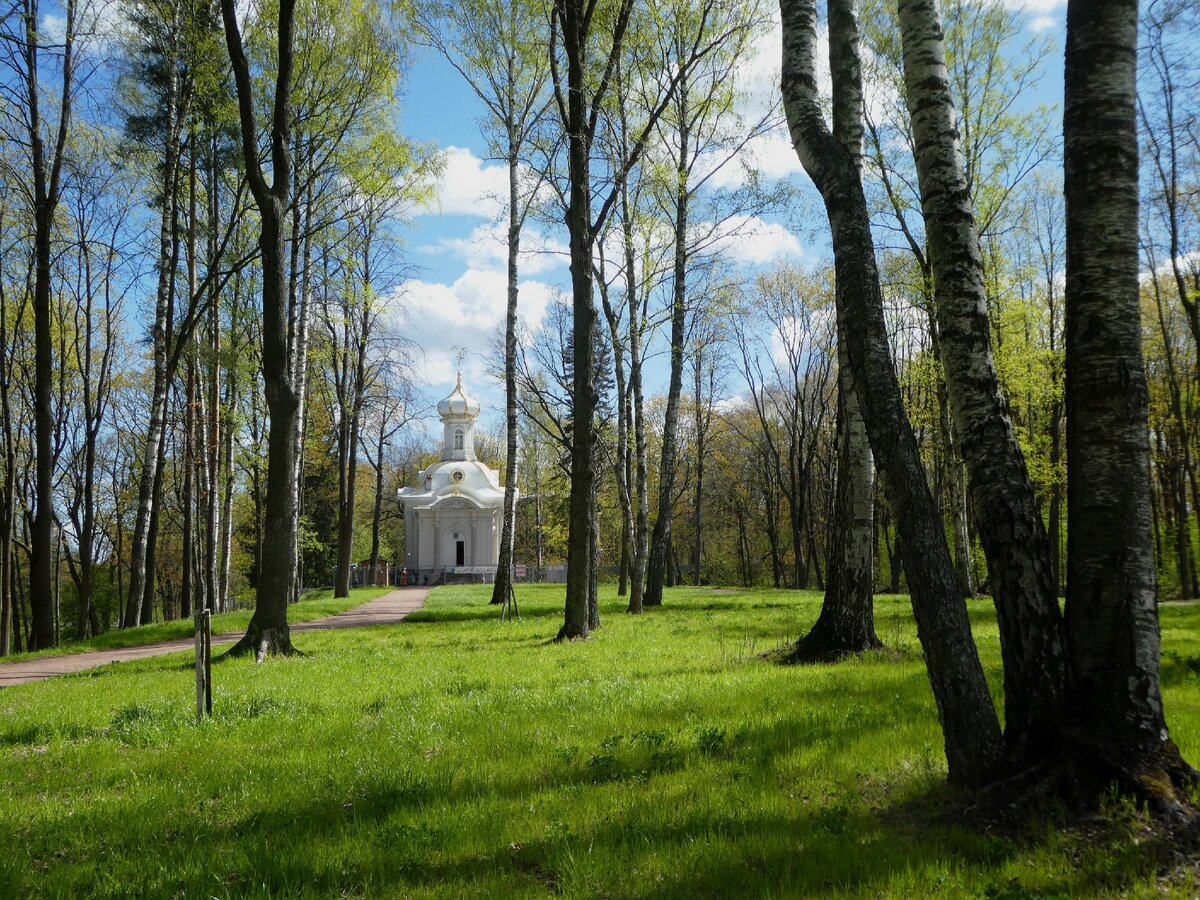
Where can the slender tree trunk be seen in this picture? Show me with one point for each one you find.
(955, 469)
(503, 583)
(1007, 516)
(145, 614)
(231, 403)
(539, 536)
(8, 498)
(1111, 612)
(772, 523)
(657, 562)
(20, 631)
(797, 507)
(6, 566)
(46, 190)
(186, 588)
(377, 510)
(846, 623)
(969, 723)
(698, 497)
(299, 306)
(212, 458)
(641, 532)
(163, 313)
(743, 548)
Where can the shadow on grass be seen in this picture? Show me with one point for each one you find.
(388, 835)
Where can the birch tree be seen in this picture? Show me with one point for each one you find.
(846, 623)
(498, 46)
(1111, 614)
(970, 727)
(1006, 511)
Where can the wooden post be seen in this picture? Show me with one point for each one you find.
(208, 661)
(200, 669)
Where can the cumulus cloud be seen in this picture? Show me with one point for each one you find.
(1043, 14)
(753, 240)
(469, 186)
(1035, 7)
(757, 78)
(97, 24)
(486, 248)
(458, 323)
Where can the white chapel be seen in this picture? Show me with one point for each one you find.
(453, 518)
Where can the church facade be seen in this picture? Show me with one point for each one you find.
(454, 517)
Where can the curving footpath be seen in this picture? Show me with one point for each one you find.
(386, 610)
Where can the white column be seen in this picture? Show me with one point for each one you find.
(424, 540)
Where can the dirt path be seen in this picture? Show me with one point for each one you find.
(386, 610)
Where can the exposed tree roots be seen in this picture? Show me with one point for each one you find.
(825, 644)
(263, 642)
(1086, 784)
(564, 635)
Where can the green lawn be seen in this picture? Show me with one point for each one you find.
(456, 755)
(315, 605)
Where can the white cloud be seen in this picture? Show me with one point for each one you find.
(469, 186)
(1044, 14)
(757, 78)
(486, 248)
(97, 24)
(464, 317)
(753, 240)
(1035, 6)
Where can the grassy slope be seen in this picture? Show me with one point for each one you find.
(316, 605)
(455, 755)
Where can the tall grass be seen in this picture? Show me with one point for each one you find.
(456, 755)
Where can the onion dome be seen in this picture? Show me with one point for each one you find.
(459, 403)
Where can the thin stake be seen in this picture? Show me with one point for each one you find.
(200, 677)
(208, 661)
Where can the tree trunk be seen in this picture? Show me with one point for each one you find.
(163, 314)
(503, 583)
(698, 498)
(267, 632)
(594, 554)
(1007, 516)
(46, 191)
(146, 608)
(377, 509)
(657, 563)
(298, 350)
(1111, 614)
(641, 531)
(955, 470)
(231, 403)
(186, 588)
(212, 458)
(847, 621)
(583, 392)
(969, 722)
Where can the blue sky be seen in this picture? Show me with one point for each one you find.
(455, 304)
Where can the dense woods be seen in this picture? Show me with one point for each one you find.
(209, 395)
